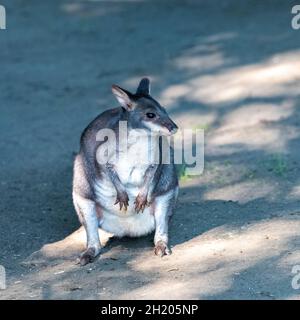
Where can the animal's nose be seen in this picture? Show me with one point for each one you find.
(173, 127)
(174, 130)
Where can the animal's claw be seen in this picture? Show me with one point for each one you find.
(141, 203)
(123, 201)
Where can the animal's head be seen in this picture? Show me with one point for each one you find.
(144, 112)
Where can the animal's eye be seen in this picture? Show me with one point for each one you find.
(150, 115)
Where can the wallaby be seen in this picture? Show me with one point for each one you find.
(123, 197)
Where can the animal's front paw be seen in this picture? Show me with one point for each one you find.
(87, 256)
(161, 249)
(141, 202)
(122, 200)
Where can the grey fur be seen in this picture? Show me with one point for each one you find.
(94, 185)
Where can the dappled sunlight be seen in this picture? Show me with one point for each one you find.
(256, 113)
(170, 95)
(201, 267)
(251, 125)
(292, 297)
(196, 119)
(205, 266)
(235, 232)
(242, 192)
(68, 248)
(294, 193)
(214, 39)
(216, 259)
(208, 283)
(263, 137)
(243, 104)
(232, 105)
(201, 62)
(277, 76)
(254, 126)
(96, 8)
(84, 9)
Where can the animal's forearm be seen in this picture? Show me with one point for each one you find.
(113, 175)
(149, 179)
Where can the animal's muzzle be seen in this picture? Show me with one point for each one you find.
(172, 127)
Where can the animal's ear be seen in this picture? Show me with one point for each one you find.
(123, 96)
(144, 87)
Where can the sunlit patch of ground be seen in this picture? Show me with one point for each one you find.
(277, 76)
(202, 267)
(218, 258)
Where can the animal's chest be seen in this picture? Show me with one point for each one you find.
(132, 162)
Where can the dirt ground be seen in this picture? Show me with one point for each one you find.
(229, 67)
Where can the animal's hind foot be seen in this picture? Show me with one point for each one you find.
(161, 249)
(87, 256)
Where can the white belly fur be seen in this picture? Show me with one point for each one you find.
(125, 223)
(135, 225)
